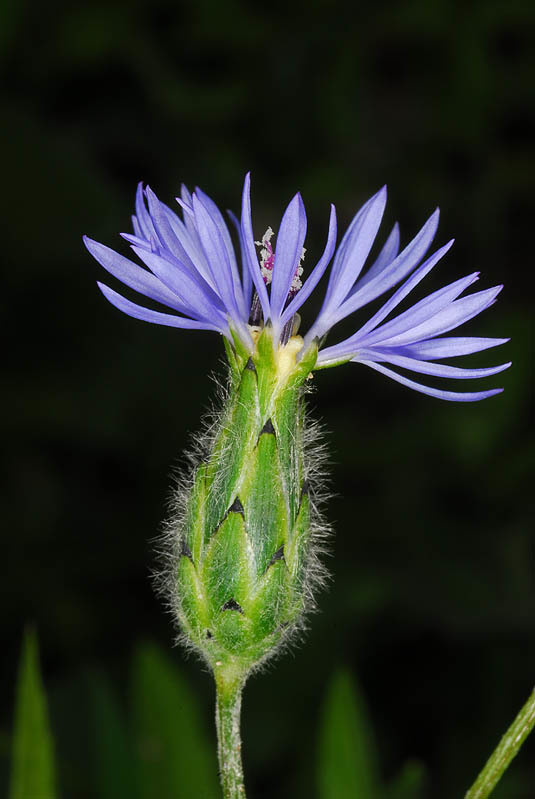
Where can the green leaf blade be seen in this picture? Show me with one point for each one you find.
(33, 771)
(346, 757)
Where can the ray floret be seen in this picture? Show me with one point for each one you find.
(190, 267)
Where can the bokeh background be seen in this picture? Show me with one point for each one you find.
(432, 601)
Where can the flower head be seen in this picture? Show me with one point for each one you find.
(192, 269)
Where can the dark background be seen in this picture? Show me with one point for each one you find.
(432, 602)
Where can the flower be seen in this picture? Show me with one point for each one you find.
(192, 269)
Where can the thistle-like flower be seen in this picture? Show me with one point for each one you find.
(245, 534)
(243, 538)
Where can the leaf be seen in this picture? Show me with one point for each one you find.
(113, 756)
(409, 783)
(346, 767)
(177, 759)
(32, 766)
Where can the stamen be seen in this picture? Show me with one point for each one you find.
(286, 332)
(255, 314)
(267, 261)
(267, 256)
(296, 282)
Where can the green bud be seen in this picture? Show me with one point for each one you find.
(244, 538)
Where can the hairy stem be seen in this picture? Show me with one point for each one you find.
(228, 706)
(504, 752)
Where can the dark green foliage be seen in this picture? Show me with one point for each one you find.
(408, 784)
(346, 765)
(112, 750)
(347, 759)
(160, 748)
(175, 757)
(163, 749)
(32, 765)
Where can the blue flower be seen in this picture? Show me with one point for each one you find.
(192, 269)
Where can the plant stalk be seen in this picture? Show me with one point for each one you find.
(229, 689)
(504, 752)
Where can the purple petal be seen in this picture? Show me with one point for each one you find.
(454, 315)
(145, 245)
(354, 249)
(249, 246)
(192, 291)
(404, 290)
(217, 258)
(386, 256)
(452, 396)
(143, 216)
(223, 237)
(315, 276)
(185, 196)
(186, 202)
(247, 280)
(161, 223)
(219, 220)
(132, 275)
(156, 317)
(188, 215)
(423, 310)
(427, 368)
(188, 249)
(288, 250)
(400, 267)
(450, 347)
(137, 227)
(351, 344)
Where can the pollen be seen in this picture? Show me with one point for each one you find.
(267, 256)
(267, 261)
(296, 282)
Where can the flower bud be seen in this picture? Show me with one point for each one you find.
(244, 544)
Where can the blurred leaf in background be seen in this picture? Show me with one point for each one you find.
(408, 784)
(32, 768)
(347, 762)
(114, 765)
(160, 749)
(176, 757)
(347, 765)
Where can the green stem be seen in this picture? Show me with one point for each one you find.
(229, 688)
(504, 752)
